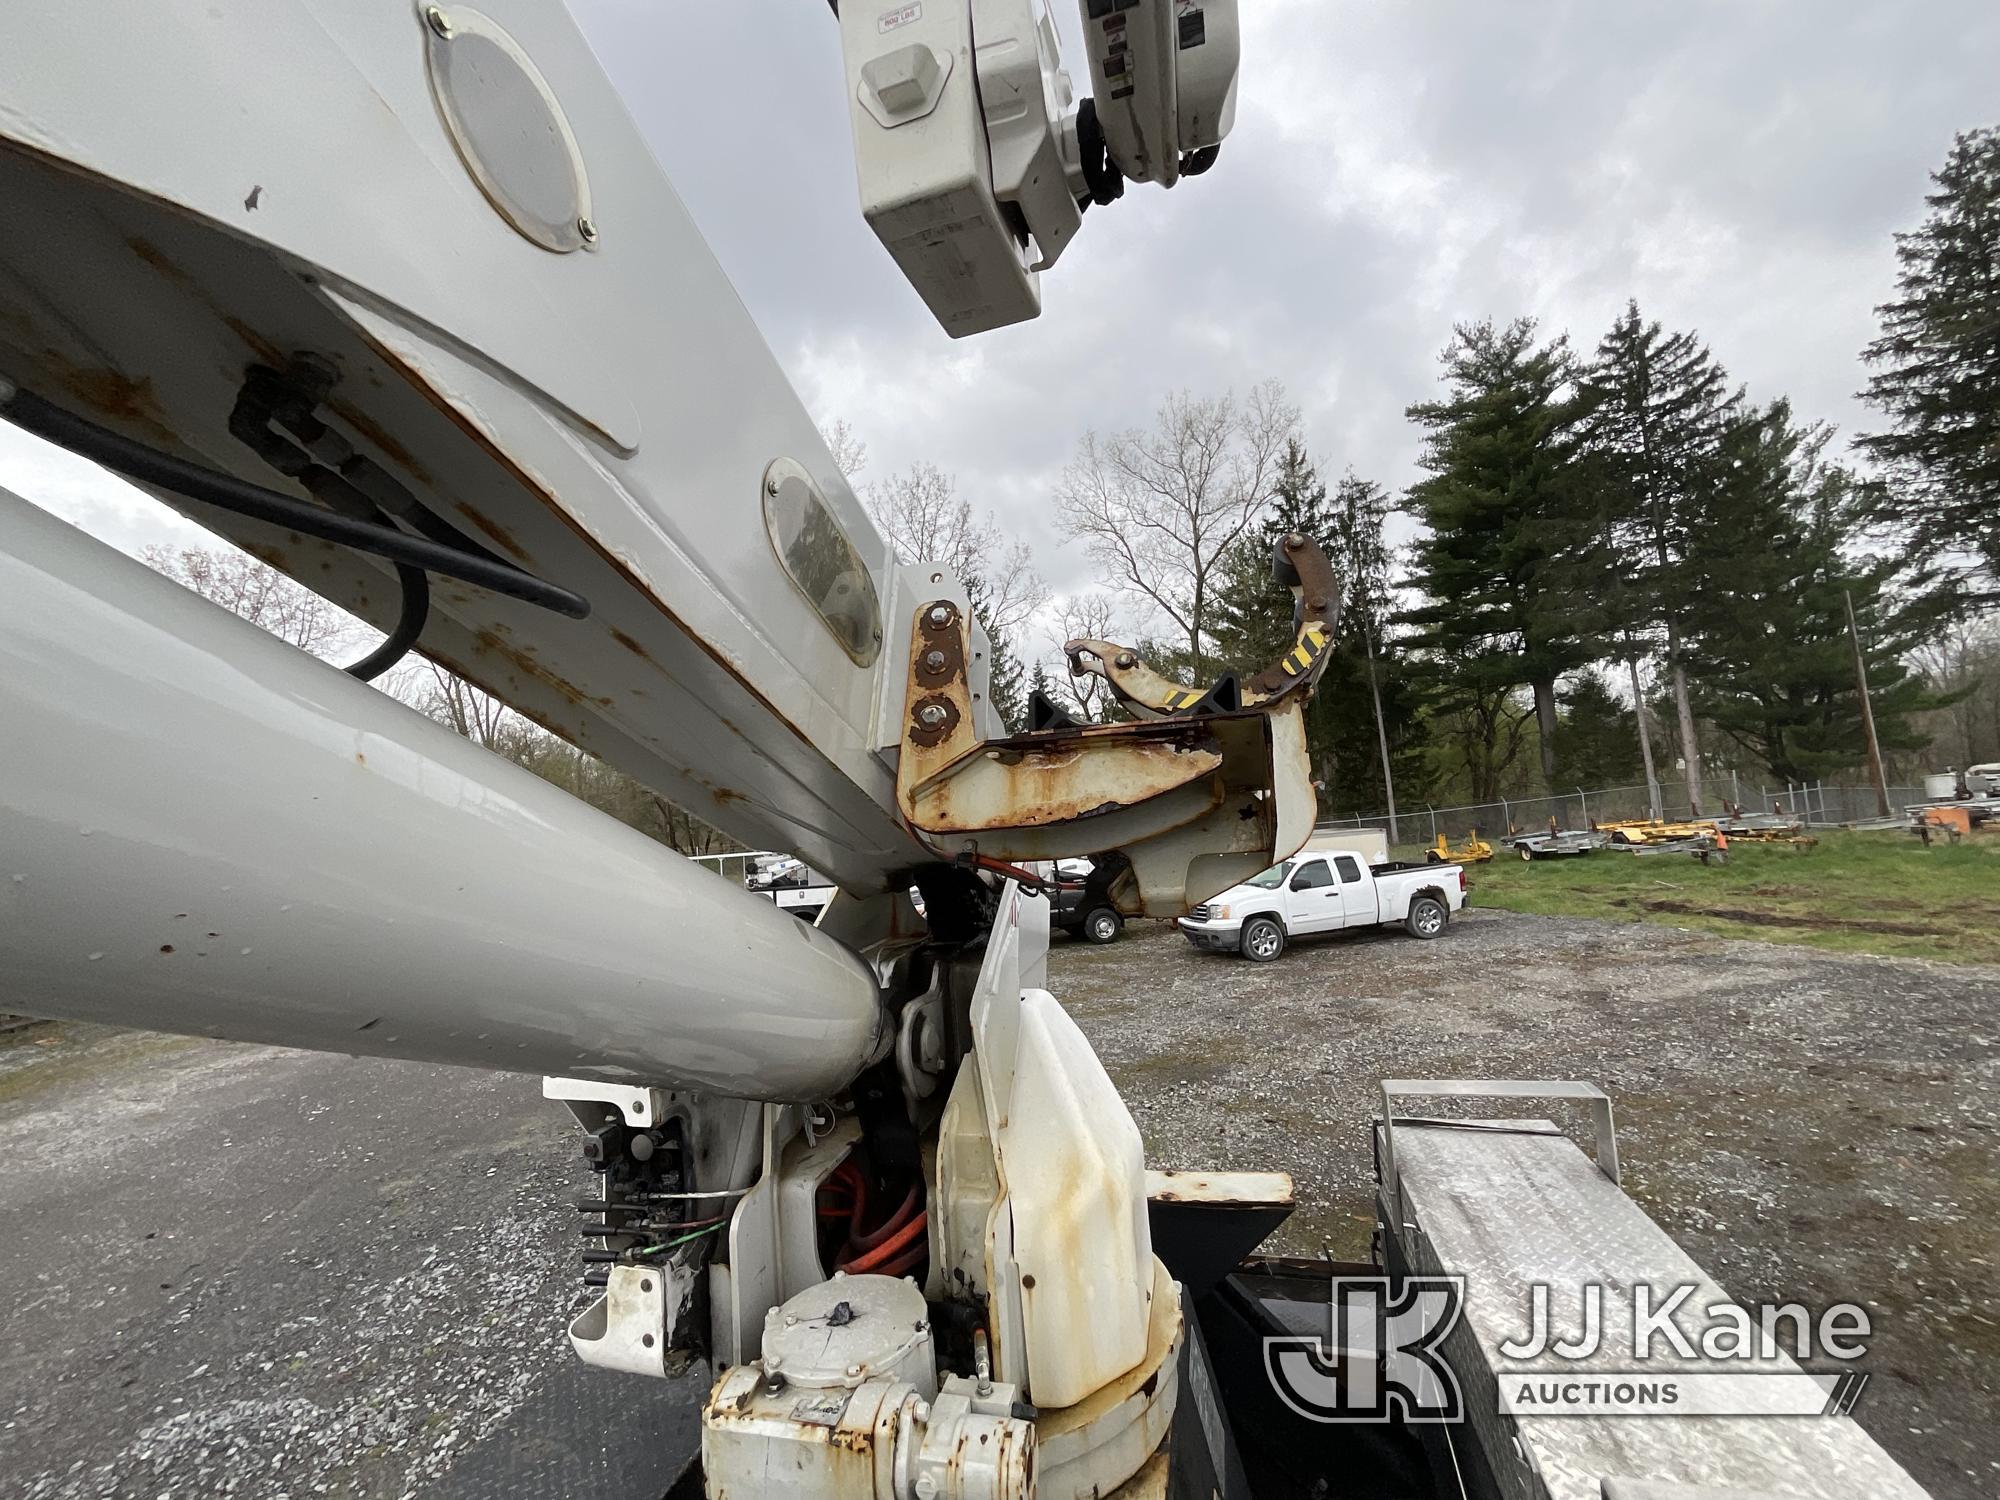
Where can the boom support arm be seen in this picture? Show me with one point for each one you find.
(1200, 791)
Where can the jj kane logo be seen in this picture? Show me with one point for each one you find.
(1641, 1351)
(1382, 1361)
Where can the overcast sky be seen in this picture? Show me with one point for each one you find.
(1739, 167)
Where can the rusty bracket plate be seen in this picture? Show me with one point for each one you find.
(1193, 804)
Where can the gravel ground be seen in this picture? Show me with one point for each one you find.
(1811, 1127)
(247, 1271)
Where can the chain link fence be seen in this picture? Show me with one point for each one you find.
(1818, 804)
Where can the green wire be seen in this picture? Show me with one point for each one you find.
(656, 1249)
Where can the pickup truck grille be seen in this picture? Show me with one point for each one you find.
(1199, 914)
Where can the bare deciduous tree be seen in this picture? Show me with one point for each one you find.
(1160, 508)
(268, 599)
(927, 520)
(850, 454)
(259, 593)
(1963, 659)
(1085, 617)
(450, 700)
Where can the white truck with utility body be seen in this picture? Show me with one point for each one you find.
(792, 884)
(1317, 892)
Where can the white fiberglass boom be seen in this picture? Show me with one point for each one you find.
(205, 830)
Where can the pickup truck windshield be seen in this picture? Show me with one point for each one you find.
(1272, 878)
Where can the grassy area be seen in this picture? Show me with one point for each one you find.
(1855, 893)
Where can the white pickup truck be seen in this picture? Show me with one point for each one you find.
(1324, 892)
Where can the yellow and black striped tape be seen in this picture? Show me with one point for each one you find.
(1303, 655)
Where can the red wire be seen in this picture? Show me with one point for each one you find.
(891, 1250)
(894, 1247)
(907, 1262)
(859, 1183)
(910, 1207)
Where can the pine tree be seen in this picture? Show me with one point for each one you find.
(1251, 612)
(1038, 682)
(1005, 680)
(1376, 742)
(1771, 651)
(1499, 561)
(1250, 617)
(1254, 627)
(1596, 739)
(1938, 367)
(1659, 405)
(1623, 623)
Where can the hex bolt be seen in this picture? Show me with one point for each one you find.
(933, 661)
(982, 1361)
(1293, 541)
(1127, 659)
(437, 20)
(931, 715)
(941, 615)
(588, 230)
(853, 1371)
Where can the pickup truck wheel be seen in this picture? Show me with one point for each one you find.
(1263, 940)
(1102, 925)
(1427, 917)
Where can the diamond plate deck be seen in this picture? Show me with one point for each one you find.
(1509, 1210)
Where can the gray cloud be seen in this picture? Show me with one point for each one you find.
(1738, 167)
(1395, 168)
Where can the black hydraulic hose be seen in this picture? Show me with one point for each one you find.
(430, 524)
(409, 625)
(150, 466)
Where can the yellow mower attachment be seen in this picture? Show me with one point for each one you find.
(1474, 851)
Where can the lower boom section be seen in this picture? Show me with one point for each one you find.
(204, 830)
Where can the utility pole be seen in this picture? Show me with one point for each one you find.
(1867, 710)
(1381, 729)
